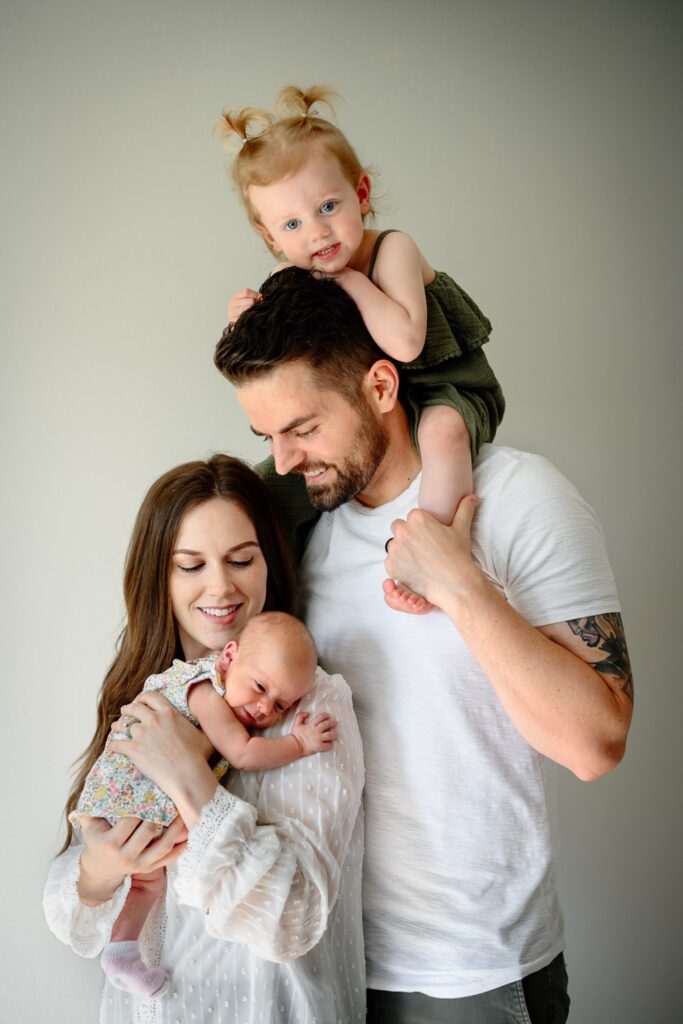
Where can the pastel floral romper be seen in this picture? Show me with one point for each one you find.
(114, 787)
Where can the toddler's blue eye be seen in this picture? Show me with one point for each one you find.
(292, 224)
(329, 206)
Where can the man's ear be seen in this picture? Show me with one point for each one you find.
(363, 189)
(381, 385)
(227, 655)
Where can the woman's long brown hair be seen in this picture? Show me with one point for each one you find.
(149, 641)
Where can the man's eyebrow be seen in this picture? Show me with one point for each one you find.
(292, 425)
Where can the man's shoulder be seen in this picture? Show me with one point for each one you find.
(538, 538)
(524, 495)
(498, 467)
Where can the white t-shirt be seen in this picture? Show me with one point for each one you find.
(459, 890)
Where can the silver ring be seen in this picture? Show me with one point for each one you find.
(127, 722)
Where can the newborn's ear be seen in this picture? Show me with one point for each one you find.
(227, 655)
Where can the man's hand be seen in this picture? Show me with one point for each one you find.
(433, 559)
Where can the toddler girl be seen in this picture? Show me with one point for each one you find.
(249, 685)
(307, 195)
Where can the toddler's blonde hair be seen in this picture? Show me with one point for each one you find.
(274, 146)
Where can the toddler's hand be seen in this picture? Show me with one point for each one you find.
(241, 301)
(342, 276)
(315, 736)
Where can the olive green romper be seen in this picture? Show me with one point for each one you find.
(451, 370)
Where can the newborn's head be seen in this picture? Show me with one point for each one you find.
(270, 668)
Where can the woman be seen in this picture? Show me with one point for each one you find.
(261, 920)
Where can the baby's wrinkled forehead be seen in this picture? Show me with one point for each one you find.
(277, 633)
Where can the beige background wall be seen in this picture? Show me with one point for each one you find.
(533, 150)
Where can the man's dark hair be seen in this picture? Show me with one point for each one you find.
(300, 317)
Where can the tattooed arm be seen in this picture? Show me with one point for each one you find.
(598, 735)
(566, 686)
(600, 641)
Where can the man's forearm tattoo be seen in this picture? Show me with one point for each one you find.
(606, 634)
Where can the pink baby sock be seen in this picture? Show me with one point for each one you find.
(125, 968)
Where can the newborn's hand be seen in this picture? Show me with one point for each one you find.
(241, 301)
(316, 736)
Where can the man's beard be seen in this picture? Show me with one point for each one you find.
(355, 471)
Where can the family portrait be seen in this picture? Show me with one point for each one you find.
(342, 512)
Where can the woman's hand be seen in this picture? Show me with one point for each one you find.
(130, 846)
(170, 750)
(162, 742)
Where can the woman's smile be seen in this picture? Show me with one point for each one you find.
(218, 576)
(221, 615)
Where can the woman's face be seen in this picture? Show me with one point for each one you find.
(217, 578)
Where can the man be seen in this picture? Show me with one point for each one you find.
(463, 711)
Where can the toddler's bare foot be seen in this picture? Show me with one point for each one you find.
(401, 599)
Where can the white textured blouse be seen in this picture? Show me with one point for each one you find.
(261, 921)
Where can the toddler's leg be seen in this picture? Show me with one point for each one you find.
(446, 461)
(446, 479)
(121, 960)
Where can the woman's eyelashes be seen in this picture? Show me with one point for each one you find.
(242, 563)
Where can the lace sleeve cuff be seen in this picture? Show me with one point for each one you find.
(86, 929)
(224, 845)
(203, 834)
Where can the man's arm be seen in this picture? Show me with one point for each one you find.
(599, 640)
(566, 686)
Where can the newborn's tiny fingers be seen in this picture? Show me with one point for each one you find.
(324, 716)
